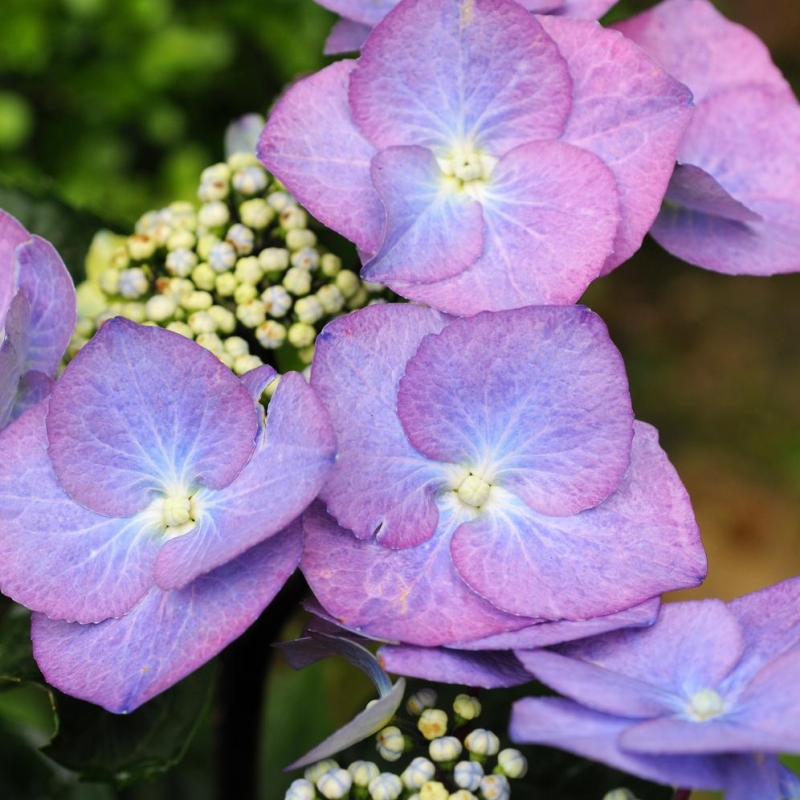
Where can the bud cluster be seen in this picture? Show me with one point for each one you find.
(459, 763)
(242, 274)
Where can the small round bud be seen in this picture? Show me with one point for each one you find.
(242, 159)
(248, 270)
(213, 215)
(256, 213)
(197, 301)
(301, 335)
(141, 247)
(481, 742)
(300, 789)
(203, 277)
(419, 701)
(181, 240)
(161, 233)
(390, 743)
(244, 293)
(316, 771)
(300, 238)
(222, 257)
(444, 749)
(160, 307)
(224, 319)
(358, 300)
(184, 216)
(249, 180)
(306, 356)
(243, 364)
(108, 280)
(276, 300)
(330, 265)
(235, 346)
(241, 237)
(293, 218)
(297, 281)
(213, 191)
(330, 298)
(619, 794)
(385, 787)
(433, 790)
(274, 259)
(335, 784)
(135, 312)
(133, 282)
(307, 259)
(348, 283)
(175, 287)
(495, 787)
(309, 309)
(182, 328)
(418, 772)
(146, 222)
(363, 772)
(432, 723)
(468, 775)
(462, 794)
(216, 172)
(511, 763)
(467, 707)
(251, 314)
(202, 322)
(181, 263)
(211, 342)
(205, 243)
(280, 200)
(271, 334)
(226, 284)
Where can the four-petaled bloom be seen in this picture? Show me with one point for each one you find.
(148, 495)
(480, 157)
(37, 315)
(733, 204)
(696, 700)
(490, 477)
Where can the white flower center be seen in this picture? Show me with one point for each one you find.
(473, 490)
(466, 169)
(705, 704)
(178, 512)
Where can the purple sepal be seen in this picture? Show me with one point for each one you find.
(346, 36)
(121, 663)
(256, 380)
(12, 235)
(694, 189)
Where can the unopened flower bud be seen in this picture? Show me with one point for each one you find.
(213, 215)
(481, 742)
(245, 293)
(309, 309)
(141, 247)
(202, 322)
(307, 259)
(495, 787)
(226, 284)
(205, 243)
(256, 213)
(432, 723)
(242, 159)
(390, 743)
(203, 277)
(358, 300)
(251, 314)
(241, 237)
(348, 283)
(299, 238)
(277, 301)
(161, 233)
(301, 335)
(211, 342)
(248, 270)
(181, 240)
(109, 281)
(197, 301)
(274, 259)
(468, 775)
(511, 763)
(300, 789)
(293, 218)
(385, 787)
(133, 282)
(419, 701)
(180, 327)
(271, 334)
(222, 257)
(330, 298)
(433, 790)
(418, 772)
(135, 312)
(212, 191)
(467, 707)
(297, 281)
(363, 772)
(146, 222)
(445, 749)
(183, 215)
(160, 307)
(235, 346)
(619, 794)
(216, 172)
(462, 794)
(334, 784)
(178, 288)
(181, 263)
(280, 200)
(317, 770)
(243, 364)
(224, 319)
(330, 265)
(249, 180)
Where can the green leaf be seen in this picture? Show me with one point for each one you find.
(124, 749)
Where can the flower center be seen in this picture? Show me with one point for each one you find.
(705, 704)
(465, 169)
(179, 512)
(473, 490)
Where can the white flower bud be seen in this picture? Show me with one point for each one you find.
(446, 748)
(181, 263)
(184, 216)
(85, 327)
(309, 309)
(202, 322)
(271, 334)
(203, 277)
(419, 701)
(197, 301)
(120, 259)
(335, 784)
(181, 240)
(146, 222)
(330, 265)
(363, 772)
(226, 284)
(135, 312)
(481, 742)
(467, 707)
(512, 763)
(249, 180)
(385, 787)
(241, 237)
(390, 743)
(306, 354)
(619, 794)
(301, 335)
(235, 346)
(256, 213)
(297, 281)
(300, 789)
(300, 238)
(248, 270)
(141, 247)
(293, 218)
(276, 300)
(274, 259)
(242, 159)
(133, 282)
(330, 299)
(213, 215)
(176, 287)
(433, 790)
(205, 243)
(317, 770)
(358, 300)
(307, 258)
(224, 319)
(161, 233)
(432, 723)
(160, 307)
(418, 772)
(468, 775)
(213, 191)
(244, 293)
(182, 328)
(348, 283)
(211, 342)
(462, 794)
(251, 314)
(280, 200)
(216, 172)
(222, 257)
(495, 787)
(243, 364)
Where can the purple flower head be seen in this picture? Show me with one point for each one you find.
(359, 17)
(482, 158)
(37, 316)
(148, 495)
(671, 703)
(733, 203)
(490, 476)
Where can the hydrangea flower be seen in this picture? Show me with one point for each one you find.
(360, 16)
(490, 476)
(147, 496)
(534, 152)
(37, 315)
(695, 701)
(733, 204)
